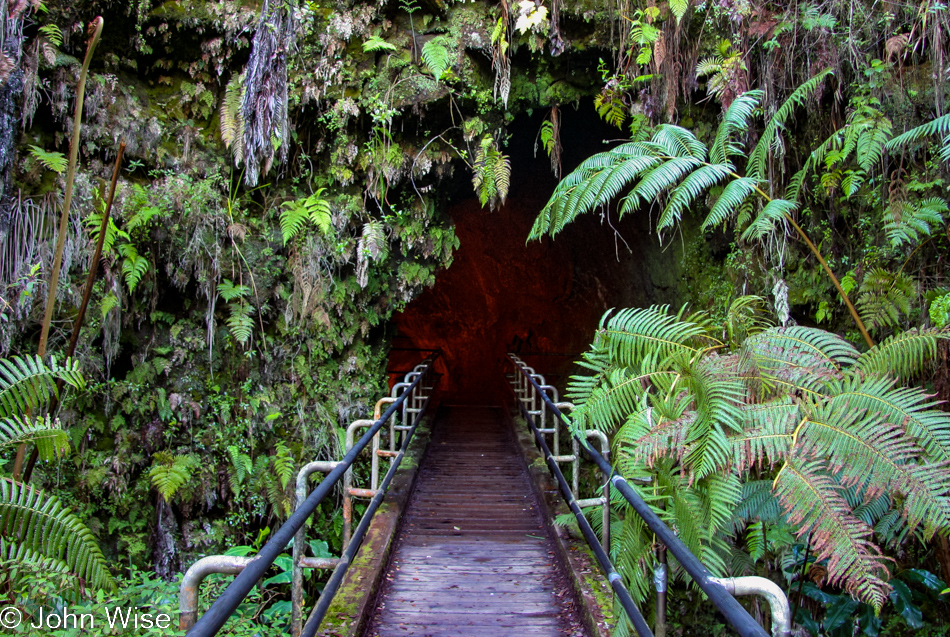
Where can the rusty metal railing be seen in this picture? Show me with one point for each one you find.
(529, 388)
(412, 398)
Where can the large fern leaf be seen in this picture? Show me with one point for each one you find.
(904, 354)
(907, 407)
(50, 438)
(38, 522)
(804, 358)
(813, 502)
(758, 159)
(633, 334)
(27, 383)
(938, 126)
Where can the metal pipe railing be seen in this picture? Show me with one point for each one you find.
(734, 613)
(222, 608)
(329, 590)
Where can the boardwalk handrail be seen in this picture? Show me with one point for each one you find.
(211, 622)
(734, 613)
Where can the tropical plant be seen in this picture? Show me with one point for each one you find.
(790, 426)
(314, 208)
(35, 527)
(675, 164)
(491, 173)
(170, 472)
(239, 321)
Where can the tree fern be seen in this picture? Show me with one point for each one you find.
(845, 447)
(284, 465)
(38, 522)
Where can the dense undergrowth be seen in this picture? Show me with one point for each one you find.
(287, 172)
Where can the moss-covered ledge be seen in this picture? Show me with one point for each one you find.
(591, 589)
(354, 600)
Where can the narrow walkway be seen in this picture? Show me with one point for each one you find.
(473, 558)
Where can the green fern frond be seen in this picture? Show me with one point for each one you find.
(685, 195)
(40, 523)
(758, 159)
(775, 211)
(679, 8)
(814, 503)
(230, 291)
(758, 502)
(27, 383)
(232, 119)
(904, 354)
(169, 473)
(938, 126)
(908, 223)
(735, 121)
(766, 438)
(240, 324)
(375, 43)
(884, 297)
(799, 357)
(491, 173)
(50, 438)
(632, 334)
(134, 266)
(284, 464)
(730, 200)
(436, 57)
(52, 160)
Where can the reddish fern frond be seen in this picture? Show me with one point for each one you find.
(767, 434)
(800, 357)
(813, 502)
(644, 441)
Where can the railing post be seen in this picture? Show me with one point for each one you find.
(296, 584)
(188, 590)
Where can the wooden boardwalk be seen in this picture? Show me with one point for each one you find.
(473, 557)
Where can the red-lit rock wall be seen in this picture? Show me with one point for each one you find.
(542, 300)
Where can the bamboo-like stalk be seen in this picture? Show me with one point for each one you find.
(96, 33)
(87, 292)
(96, 28)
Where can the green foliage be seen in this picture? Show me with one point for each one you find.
(52, 160)
(940, 311)
(375, 43)
(41, 524)
(436, 57)
(908, 223)
(885, 297)
(51, 440)
(169, 472)
(295, 214)
(797, 405)
(232, 119)
(27, 383)
(239, 321)
(937, 126)
(134, 265)
(491, 174)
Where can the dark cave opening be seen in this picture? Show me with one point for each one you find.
(544, 299)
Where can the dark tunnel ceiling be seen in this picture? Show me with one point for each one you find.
(542, 299)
